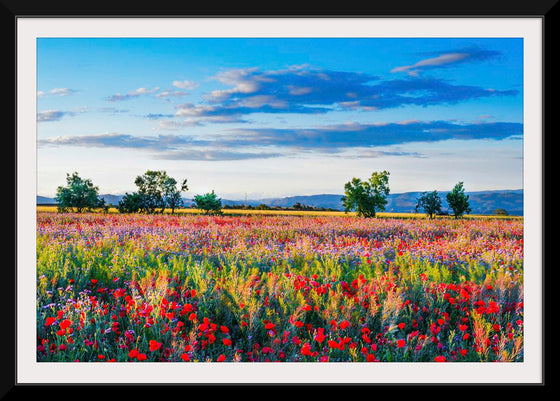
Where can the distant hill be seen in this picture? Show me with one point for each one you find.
(482, 202)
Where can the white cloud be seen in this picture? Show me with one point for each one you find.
(431, 62)
(62, 91)
(134, 93)
(184, 84)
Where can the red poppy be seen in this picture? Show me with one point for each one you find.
(370, 358)
(227, 342)
(401, 326)
(269, 326)
(142, 357)
(133, 353)
(65, 323)
(401, 343)
(439, 358)
(154, 345)
(221, 358)
(185, 357)
(306, 349)
(344, 324)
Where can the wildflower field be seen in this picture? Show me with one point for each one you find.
(259, 288)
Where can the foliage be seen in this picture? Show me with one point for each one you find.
(172, 194)
(501, 212)
(79, 193)
(209, 203)
(458, 201)
(156, 190)
(430, 202)
(367, 197)
(130, 203)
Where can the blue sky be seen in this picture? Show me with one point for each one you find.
(278, 117)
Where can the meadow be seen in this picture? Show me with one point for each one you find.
(271, 287)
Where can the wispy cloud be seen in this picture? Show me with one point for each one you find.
(446, 59)
(56, 115)
(133, 94)
(112, 110)
(171, 93)
(214, 155)
(50, 115)
(185, 84)
(58, 92)
(369, 139)
(63, 91)
(120, 140)
(163, 147)
(341, 136)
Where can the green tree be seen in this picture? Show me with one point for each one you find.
(430, 202)
(156, 190)
(172, 194)
(458, 201)
(79, 193)
(130, 203)
(367, 197)
(501, 212)
(209, 203)
(150, 188)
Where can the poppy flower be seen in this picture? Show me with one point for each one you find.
(185, 357)
(154, 345)
(50, 320)
(227, 342)
(439, 358)
(401, 343)
(65, 324)
(401, 326)
(344, 324)
(141, 357)
(221, 358)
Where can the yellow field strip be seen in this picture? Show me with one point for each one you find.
(45, 208)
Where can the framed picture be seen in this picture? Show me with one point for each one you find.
(358, 198)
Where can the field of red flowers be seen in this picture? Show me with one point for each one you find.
(191, 288)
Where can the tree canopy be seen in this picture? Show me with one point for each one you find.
(209, 203)
(430, 202)
(458, 201)
(78, 193)
(366, 197)
(156, 191)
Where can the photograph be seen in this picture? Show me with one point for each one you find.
(353, 199)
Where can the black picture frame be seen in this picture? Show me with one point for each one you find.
(12, 10)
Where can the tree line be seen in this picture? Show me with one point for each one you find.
(157, 191)
(367, 197)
